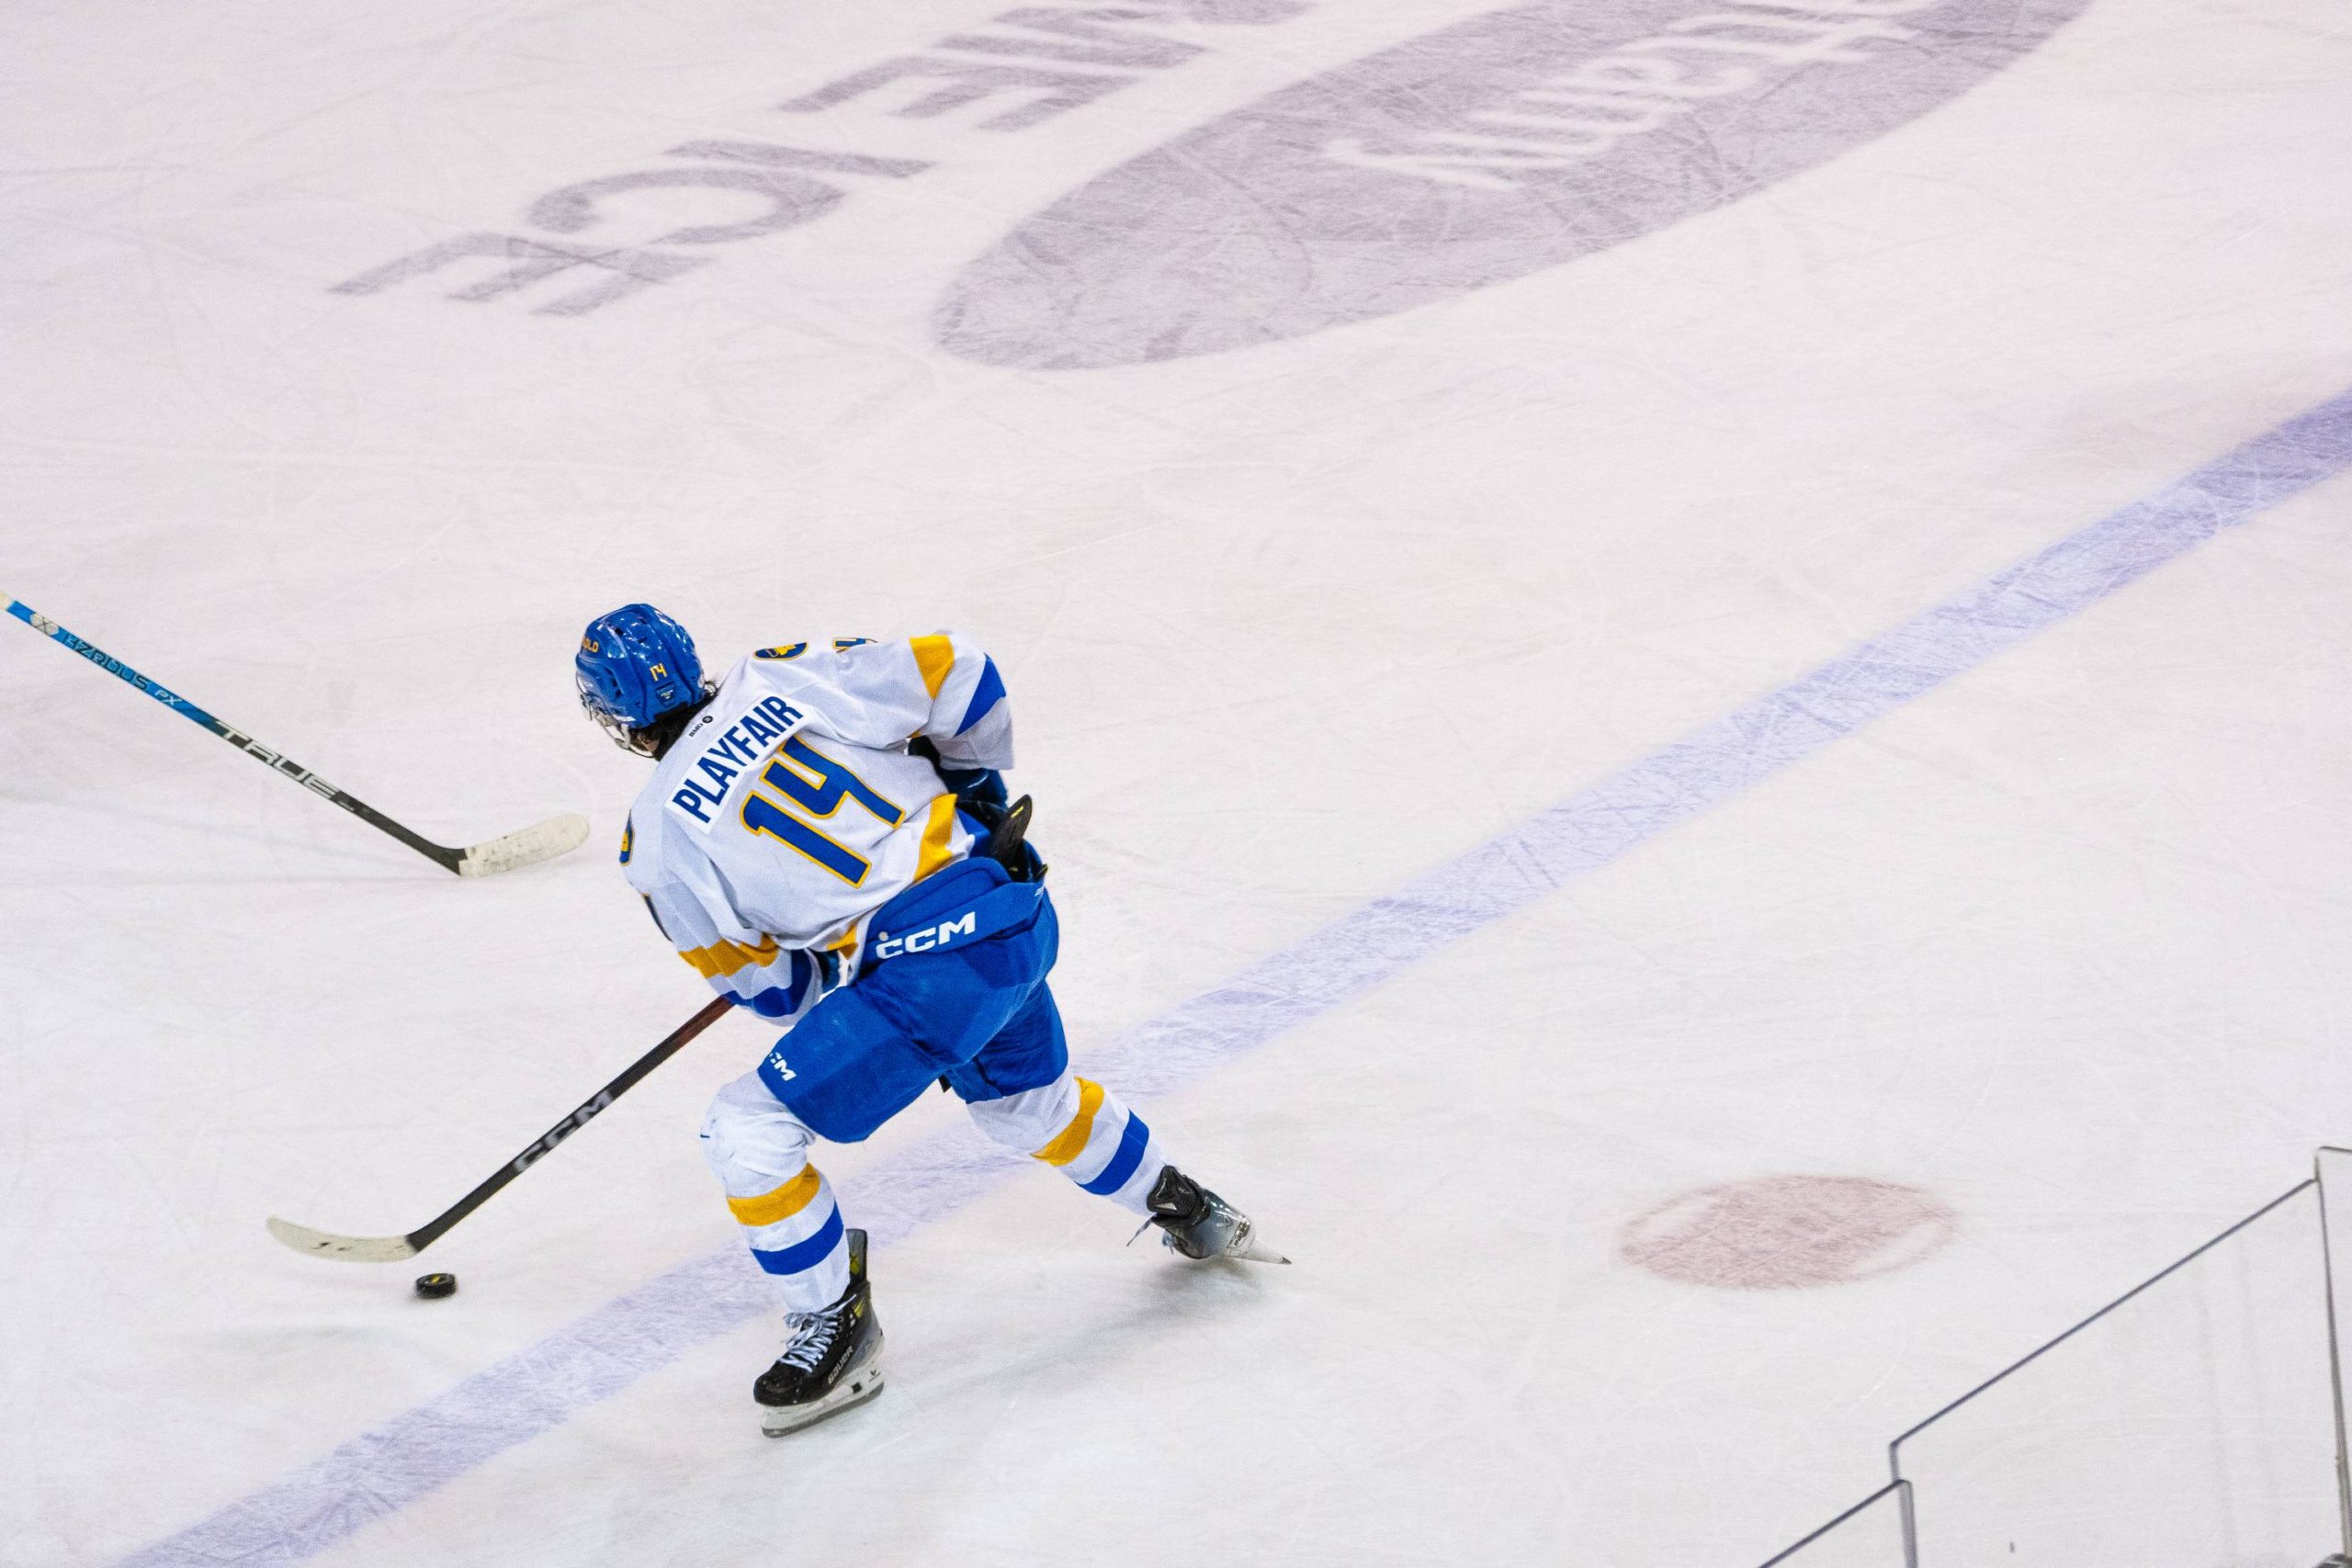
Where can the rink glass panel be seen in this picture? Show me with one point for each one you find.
(2192, 1427)
(1870, 1534)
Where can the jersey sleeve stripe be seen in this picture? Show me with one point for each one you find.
(724, 957)
(938, 837)
(1072, 1140)
(934, 656)
(986, 695)
(781, 1204)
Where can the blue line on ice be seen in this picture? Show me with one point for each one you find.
(380, 1472)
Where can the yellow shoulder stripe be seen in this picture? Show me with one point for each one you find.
(938, 834)
(1072, 1141)
(781, 1204)
(934, 656)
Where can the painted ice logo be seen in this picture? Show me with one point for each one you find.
(1471, 156)
(1019, 69)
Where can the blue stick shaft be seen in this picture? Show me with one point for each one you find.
(277, 761)
(113, 666)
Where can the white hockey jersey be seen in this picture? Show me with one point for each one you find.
(789, 810)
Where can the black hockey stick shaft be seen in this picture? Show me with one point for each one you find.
(545, 1143)
(391, 1248)
(277, 761)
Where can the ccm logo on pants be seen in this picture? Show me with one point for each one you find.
(928, 938)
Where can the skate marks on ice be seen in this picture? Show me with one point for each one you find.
(1779, 1232)
(1721, 760)
(1470, 156)
(382, 1470)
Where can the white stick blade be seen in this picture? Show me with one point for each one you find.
(345, 1249)
(543, 841)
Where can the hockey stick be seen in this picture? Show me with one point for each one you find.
(543, 840)
(392, 1248)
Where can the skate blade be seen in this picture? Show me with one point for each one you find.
(1252, 1250)
(862, 1385)
(781, 1423)
(1243, 1248)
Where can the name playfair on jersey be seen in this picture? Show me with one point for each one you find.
(1507, 105)
(740, 744)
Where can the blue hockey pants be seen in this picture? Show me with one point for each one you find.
(954, 988)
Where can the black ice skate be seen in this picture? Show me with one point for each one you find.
(1200, 1224)
(833, 1362)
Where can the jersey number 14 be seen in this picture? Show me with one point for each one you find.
(817, 784)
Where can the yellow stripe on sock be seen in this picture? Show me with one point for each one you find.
(1072, 1141)
(938, 834)
(781, 1204)
(727, 957)
(934, 656)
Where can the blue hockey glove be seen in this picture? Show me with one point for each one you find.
(980, 791)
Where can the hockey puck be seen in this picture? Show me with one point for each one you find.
(433, 1287)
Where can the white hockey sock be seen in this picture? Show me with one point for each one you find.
(759, 1150)
(1084, 1131)
(796, 1237)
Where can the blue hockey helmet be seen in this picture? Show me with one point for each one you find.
(634, 665)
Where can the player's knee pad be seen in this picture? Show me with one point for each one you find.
(752, 1139)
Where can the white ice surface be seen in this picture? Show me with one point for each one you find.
(2063, 944)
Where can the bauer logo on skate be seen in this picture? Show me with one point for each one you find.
(929, 938)
(738, 746)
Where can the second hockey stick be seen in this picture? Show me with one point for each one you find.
(392, 1248)
(542, 841)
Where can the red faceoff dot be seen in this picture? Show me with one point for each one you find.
(1782, 1232)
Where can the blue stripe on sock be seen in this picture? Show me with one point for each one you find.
(802, 1255)
(1123, 1164)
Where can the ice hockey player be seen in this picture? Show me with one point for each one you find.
(827, 840)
